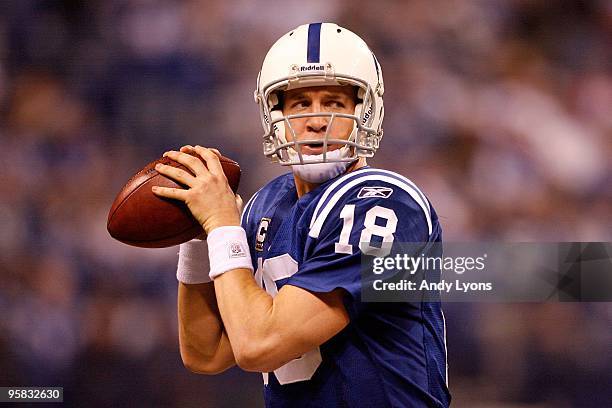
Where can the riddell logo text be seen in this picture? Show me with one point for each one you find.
(367, 115)
(312, 68)
(275, 127)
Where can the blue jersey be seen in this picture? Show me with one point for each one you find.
(390, 354)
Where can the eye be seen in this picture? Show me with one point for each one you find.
(336, 104)
(299, 104)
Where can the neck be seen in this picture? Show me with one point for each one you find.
(304, 187)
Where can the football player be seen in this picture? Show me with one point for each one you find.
(283, 292)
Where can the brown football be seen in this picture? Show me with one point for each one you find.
(140, 218)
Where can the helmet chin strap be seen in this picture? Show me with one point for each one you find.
(321, 172)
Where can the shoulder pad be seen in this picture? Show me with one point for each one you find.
(350, 186)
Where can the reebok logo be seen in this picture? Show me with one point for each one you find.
(380, 192)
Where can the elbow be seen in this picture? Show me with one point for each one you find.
(256, 358)
(247, 359)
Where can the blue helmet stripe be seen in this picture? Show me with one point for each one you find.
(314, 42)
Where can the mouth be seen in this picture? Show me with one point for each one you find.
(313, 148)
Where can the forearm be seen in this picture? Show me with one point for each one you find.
(247, 310)
(267, 332)
(204, 345)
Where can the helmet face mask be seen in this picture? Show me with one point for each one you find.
(344, 60)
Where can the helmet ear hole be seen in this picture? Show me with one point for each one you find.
(358, 110)
(360, 94)
(272, 100)
(279, 127)
(359, 105)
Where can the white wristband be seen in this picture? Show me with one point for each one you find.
(228, 249)
(192, 262)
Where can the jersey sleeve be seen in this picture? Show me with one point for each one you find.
(355, 225)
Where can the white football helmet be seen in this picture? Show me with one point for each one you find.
(318, 55)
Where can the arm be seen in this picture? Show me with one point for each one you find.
(204, 345)
(264, 332)
(268, 332)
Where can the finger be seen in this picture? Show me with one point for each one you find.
(211, 159)
(215, 151)
(167, 192)
(176, 174)
(191, 162)
(187, 149)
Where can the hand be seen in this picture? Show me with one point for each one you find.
(239, 204)
(209, 197)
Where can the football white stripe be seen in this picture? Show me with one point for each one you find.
(280, 267)
(315, 229)
(248, 206)
(445, 350)
(331, 188)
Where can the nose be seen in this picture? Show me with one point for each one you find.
(317, 124)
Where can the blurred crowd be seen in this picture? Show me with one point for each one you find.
(500, 110)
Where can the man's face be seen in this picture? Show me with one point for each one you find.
(325, 99)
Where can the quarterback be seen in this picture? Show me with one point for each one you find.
(282, 295)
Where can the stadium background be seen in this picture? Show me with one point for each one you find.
(500, 110)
